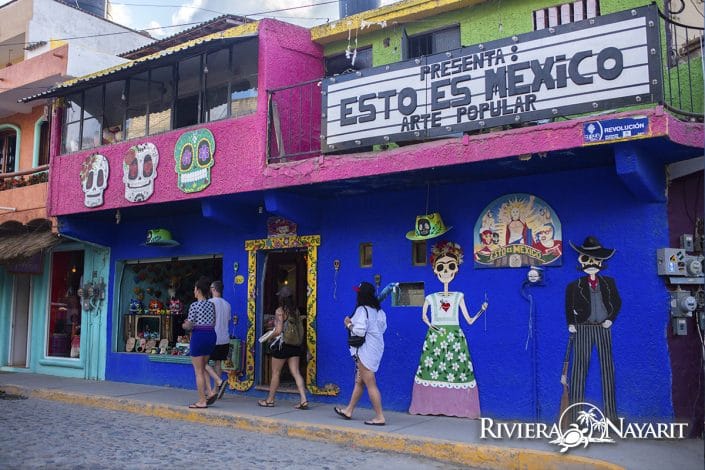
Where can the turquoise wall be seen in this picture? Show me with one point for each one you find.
(91, 364)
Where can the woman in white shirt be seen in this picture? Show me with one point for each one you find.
(370, 321)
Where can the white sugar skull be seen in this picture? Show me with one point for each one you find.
(139, 170)
(446, 268)
(194, 154)
(94, 179)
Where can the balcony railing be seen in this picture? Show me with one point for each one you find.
(294, 122)
(683, 68)
(19, 179)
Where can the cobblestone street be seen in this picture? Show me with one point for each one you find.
(38, 433)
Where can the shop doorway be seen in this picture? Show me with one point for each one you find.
(283, 268)
(20, 320)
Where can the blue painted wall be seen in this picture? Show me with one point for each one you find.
(592, 201)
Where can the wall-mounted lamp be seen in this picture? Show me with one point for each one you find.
(91, 294)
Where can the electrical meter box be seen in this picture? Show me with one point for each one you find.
(671, 262)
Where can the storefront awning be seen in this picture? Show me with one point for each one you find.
(18, 246)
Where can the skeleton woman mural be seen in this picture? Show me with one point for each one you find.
(444, 383)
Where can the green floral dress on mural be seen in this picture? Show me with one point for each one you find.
(445, 379)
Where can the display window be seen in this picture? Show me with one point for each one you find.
(64, 323)
(154, 297)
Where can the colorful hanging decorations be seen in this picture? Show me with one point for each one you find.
(518, 230)
(194, 154)
(94, 179)
(139, 170)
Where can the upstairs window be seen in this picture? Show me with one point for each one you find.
(206, 87)
(8, 150)
(433, 42)
(43, 148)
(338, 64)
(566, 13)
(188, 99)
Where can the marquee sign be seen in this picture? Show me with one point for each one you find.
(592, 65)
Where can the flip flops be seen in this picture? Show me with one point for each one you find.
(196, 406)
(374, 423)
(221, 388)
(211, 399)
(340, 413)
(265, 403)
(302, 406)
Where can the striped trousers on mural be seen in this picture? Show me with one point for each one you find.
(586, 336)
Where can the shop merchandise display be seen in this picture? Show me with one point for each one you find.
(157, 295)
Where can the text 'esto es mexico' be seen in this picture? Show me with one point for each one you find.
(509, 87)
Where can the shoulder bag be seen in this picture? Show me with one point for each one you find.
(355, 341)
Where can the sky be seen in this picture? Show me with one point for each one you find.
(163, 16)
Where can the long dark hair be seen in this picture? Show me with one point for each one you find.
(366, 296)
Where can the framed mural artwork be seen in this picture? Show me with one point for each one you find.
(517, 230)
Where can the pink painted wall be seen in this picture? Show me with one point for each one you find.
(287, 57)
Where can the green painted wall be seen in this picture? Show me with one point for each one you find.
(495, 19)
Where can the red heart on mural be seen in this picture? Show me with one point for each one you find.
(445, 306)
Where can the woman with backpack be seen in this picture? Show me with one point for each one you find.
(287, 323)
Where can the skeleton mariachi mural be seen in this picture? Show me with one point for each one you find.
(518, 230)
(139, 170)
(194, 154)
(444, 383)
(591, 306)
(94, 179)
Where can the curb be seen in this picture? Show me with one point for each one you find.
(483, 456)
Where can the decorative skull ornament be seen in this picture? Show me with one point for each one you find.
(194, 155)
(139, 169)
(94, 179)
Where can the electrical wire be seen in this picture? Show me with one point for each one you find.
(172, 26)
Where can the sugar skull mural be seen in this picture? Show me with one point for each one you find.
(518, 230)
(194, 155)
(139, 170)
(444, 383)
(94, 179)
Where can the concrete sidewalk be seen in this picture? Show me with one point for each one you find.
(453, 440)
